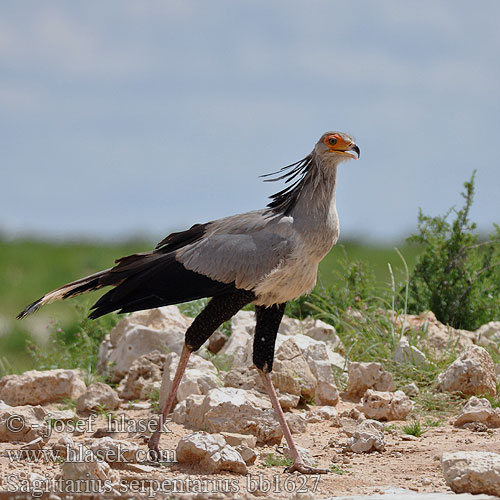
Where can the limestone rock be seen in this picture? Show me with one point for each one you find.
(363, 376)
(488, 335)
(98, 396)
(231, 410)
(472, 373)
(368, 436)
(143, 377)
(63, 444)
(318, 357)
(23, 423)
(210, 451)
(234, 439)
(39, 387)
(411, 390)
(406, 353)
(248, 454)
(141, 333)
(472, 472)
(243, 377)
(386, 405)
(439, 337)
(86, 465)
(478, 410)
(113, 450)
(296, 422)
(324, 413)
(290, 363)
(200, 376)
(239, 344)
(313, 328)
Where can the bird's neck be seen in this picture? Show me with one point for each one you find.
(316, 204)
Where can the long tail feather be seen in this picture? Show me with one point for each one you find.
(83, 285)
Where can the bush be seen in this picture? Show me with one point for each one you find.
(457, 276)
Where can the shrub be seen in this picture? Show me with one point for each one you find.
(457, 276)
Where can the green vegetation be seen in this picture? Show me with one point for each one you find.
(271, 460)
(336, 469)
(413, 429)
(457, 276)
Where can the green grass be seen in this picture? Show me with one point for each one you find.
(336, 469)
(272, 460)
(413, 429)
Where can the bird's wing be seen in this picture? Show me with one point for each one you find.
(242, 248)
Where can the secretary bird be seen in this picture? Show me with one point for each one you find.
(265, 257)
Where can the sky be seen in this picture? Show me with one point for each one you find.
(125, 117)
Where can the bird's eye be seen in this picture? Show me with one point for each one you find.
(332, 141)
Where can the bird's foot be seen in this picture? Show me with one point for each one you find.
(301, 467)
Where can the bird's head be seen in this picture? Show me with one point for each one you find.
(337, 147)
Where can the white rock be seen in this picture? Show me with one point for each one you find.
(87, 466)
(98, 396)
(296, 422)
(385, 405)
(411, 390)
(23, 423)
(368, 436)
(239, 344)
(406, 353)
(472, 373)
(62, 445)
(313, 328)
(62, 415)
(39, 387)
(235, 439)
(248, 454)
(328, 413)
(200, 376)
(478, 410)
(472, 472)
(141, 333)
(231, 410)
(488, 335)
(143, 377)
(317, 356)
(113, 450)
(289, 360)
(439, 337)
(210, 451)
(363, 376)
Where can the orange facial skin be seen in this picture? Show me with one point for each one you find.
(337, 143)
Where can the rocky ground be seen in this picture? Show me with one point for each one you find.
(58, 433)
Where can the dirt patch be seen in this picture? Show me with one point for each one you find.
(407, 462)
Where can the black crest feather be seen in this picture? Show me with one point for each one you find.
(284, 201)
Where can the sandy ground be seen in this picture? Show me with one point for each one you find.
(412, 464)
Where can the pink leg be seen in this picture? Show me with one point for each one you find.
(298, 464)
(154, 441)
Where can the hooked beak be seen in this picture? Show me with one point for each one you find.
(354, 148)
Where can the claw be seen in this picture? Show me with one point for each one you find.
(305, 469)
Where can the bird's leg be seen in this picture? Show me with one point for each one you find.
(216, 312)
(268, 321)
(154, 440)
